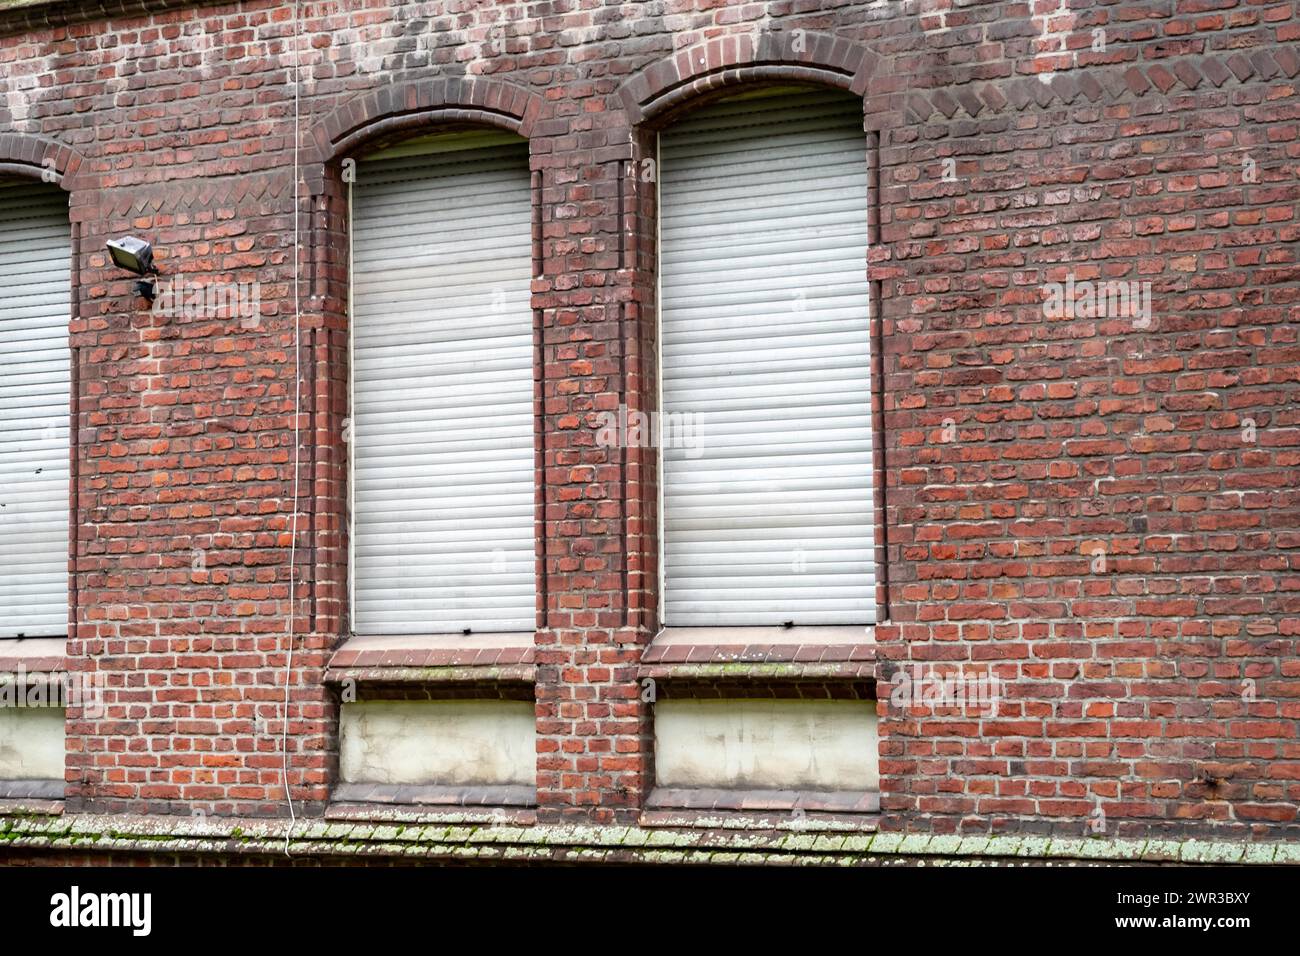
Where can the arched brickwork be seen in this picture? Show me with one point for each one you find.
(407, 106)
(38, 157)
(786, 56)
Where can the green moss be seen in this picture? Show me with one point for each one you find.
(585, 843)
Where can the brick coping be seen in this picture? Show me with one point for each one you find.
(455, 838)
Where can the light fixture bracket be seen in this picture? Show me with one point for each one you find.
(133, 254)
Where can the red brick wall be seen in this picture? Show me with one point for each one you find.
(1016, 446)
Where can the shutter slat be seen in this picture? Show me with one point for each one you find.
(766, 345)
(442, 410)
(35, 385)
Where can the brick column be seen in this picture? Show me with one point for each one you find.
(593, 293)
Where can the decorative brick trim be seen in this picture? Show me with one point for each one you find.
(670, 83)
(203, 193)
(1096, 84)
(405, 106)
(785, 55)
(22, 154)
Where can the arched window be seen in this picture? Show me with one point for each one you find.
(35, 404)
(442, 387)
(766, 426)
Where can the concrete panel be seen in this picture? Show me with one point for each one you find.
(767, 744)
(31, 743)
(445, 742)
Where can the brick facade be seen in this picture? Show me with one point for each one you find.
(1103, 513)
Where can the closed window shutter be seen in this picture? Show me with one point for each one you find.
(35, 390)
(443, 508)
(765, 338)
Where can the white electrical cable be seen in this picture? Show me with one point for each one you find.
(297, 399)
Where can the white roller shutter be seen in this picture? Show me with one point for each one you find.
(766, 342)
(35, 402)
(442, 360)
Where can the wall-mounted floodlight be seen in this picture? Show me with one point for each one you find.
(136, 256)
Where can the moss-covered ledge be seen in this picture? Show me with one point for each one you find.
(747, 671)
(453, 839)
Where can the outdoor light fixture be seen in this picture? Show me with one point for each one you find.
(136, 256)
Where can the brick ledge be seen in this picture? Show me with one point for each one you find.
(467, 674)
(813, 844)
(806, 644)
(435, 658)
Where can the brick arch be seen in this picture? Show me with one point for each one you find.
(417, 103)
(787, 55)
(32, 156)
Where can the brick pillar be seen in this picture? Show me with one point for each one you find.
(593, 729)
